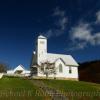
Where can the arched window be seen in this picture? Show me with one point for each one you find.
(60, 68)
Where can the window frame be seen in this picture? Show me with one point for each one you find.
(60, 68)
(70, 70)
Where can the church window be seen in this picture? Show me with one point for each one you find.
(42, 42)
(60, 68)
(70, 70)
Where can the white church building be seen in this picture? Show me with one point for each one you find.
(53, 65)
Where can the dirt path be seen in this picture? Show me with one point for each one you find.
(48, 91)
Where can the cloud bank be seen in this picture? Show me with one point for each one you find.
(82, 35)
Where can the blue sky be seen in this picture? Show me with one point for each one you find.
(72, 27)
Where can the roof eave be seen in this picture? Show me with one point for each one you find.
(72, 65)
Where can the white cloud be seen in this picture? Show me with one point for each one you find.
(96, 38)
(49, 33)
(83, 35)
(58, 12)
(53, 32)
(98, 17)
(60, 23)
(81, 32)
(62, 19)
(76, 46)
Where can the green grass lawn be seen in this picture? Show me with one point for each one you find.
(76, 90)
(24, 89)
(18, 89)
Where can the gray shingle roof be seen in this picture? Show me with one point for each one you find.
(68, 59)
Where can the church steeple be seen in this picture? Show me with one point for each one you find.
(41, 50)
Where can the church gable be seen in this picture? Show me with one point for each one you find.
(59, 64)
(59, 61)
(20, 67)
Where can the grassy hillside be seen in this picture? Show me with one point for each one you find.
(17, 89)
(24, 89)
(90, 71)
(76, 90)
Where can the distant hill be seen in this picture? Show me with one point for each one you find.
(90, 71)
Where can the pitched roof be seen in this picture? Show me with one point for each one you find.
(68, 59)
(41, 37)
(19, 67)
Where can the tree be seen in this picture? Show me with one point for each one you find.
(48, 68)
(3, 67)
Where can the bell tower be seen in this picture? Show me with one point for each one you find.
(41, 49)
